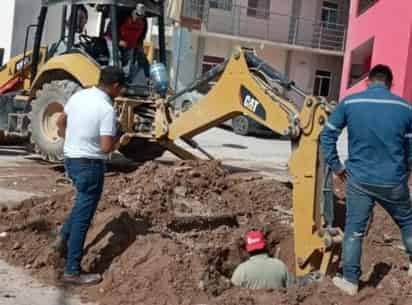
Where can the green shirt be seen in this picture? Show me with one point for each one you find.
(262, 272)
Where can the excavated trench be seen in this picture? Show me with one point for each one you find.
(172, 234)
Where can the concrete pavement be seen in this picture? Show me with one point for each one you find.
(267, 155)
(18, 288)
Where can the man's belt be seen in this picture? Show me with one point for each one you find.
(87, 161)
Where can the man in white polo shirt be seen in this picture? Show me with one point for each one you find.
(89, 128)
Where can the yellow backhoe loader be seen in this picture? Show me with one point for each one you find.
(35, 86)
(42, 80)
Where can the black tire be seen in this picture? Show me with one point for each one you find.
(241, 125)
(50, 101)
(141, 150)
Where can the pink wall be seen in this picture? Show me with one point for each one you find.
(390, 23)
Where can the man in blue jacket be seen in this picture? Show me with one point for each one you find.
(379, 127)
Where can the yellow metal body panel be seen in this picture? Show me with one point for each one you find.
(149, 51)
(224, 102)
(77, 65)
(310, 248)
(16, 67)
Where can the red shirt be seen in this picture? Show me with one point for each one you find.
(132, 31)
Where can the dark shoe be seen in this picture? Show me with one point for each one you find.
(81, 279)
(59, 245)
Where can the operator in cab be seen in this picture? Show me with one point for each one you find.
(132, 32)
(132, 35)
(89, 126)
(379, 127)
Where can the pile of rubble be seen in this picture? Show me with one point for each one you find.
(171, 234)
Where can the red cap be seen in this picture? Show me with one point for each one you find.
(255, 240)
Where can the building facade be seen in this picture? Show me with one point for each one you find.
(380, 32)
(304, 39)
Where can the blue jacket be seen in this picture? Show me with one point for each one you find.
(379, 134)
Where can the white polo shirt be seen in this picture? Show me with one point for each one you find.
(90, 115)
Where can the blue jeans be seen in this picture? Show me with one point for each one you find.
(135, 60)
(360, 200)
(88, 179)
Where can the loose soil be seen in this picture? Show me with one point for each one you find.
(171, 234)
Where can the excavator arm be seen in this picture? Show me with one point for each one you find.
(247, 87)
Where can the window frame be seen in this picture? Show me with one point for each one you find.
(351, 81)
(257, 11)
(322, 78)
(217, 5)
(329, 10)
(361, 11)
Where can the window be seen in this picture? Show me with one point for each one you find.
(361, 60)
(329, 14)
(364, 5)
(210, 61)
(259, 8)
(221, 4)
(323, 81)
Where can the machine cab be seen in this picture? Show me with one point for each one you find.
(104, 48)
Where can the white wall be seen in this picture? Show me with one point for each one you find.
(218, 47)
(52, 27)
(26, 13)
(6, 25)
(276, 57)
(183, 61)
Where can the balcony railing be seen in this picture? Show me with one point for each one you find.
(249, 22)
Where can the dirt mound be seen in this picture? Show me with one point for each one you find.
(171, 234)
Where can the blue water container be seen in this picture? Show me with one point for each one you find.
(160, 78)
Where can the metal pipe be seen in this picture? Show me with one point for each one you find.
(178, 59)
(205, 78)
(72, 27)
(102, 23)
(37, 42)
(255, 62)
(162, 34)
(63, 23)
(115, 36)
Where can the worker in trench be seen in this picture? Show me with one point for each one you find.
(261, 271)
(379, 127)
(89, 126)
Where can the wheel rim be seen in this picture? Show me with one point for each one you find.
(49, 123)
(241, 125)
